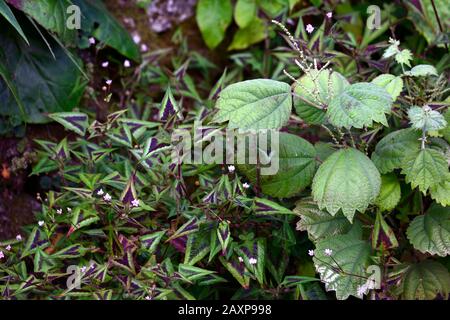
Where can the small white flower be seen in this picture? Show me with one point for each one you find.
(328, 252)
(1, 255)
(246, 185)
(83, 269)
(329, 14)
(8, 247)
(104, 88)
(107, 197)
(309, 28)
(240, 259)
(148, 298)
(311, 253)
(252, 261)
(135, 203)
(19, 237)
(100, 192)
(105, 64)
(41, 223)
(59, 211)
(231, 168)
(136, 38)
(92, 40)
(127, 63)
(144, 47)
(69, 210)
(108, 82)
(92, 266)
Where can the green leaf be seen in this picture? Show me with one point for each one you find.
(424, 168)
(392, 84)
(43, 84)
(349, 254)
(317, 88)
(318, 223)
(347, 180)
(274, 7)
(391, 150)
(96, 20)
(425, 280)
(197, 247)
(245, 37)
(359, 105)
(296, 161)
(238, 271)
(51, 14)
(255, 104)
(430, 233)
(422, 70)
(390, 193)
(425, 118)
(266, 207)
(440, 192)
(383, 237)
(6, 12)
(245, 12)
(404, 57)
(446, 130)
(75, 121)
(213, 18)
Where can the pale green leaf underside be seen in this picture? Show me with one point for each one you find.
(390, 193)
(352, 255)
(424, 168)
(425, 280)
(360, 105)
(390, 151)
(318, 223)
(392, 84)
(347, 180)
(430, 233)
(255, 104)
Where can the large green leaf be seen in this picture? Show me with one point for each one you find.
(440, 192)
(359, 105)
(317, 89)
(430, 233)
(345, 270)
(425, 280)
(6, 12)
(96, 20)
(392, 84)
(245, 12)
(390, 151)
(255, 104)
(390, 193)
(51, 14)
(296, 168)
(43, 84)
(318, 223)
(245, 37)
(424, 168)
(346, 181)
(213, 18)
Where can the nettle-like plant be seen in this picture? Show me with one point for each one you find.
(386, 151)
